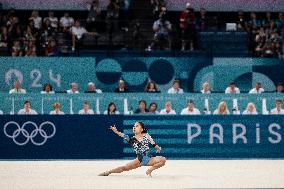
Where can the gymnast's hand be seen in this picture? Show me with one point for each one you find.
(113, 128)
(158, 149)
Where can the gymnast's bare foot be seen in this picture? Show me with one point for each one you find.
(104, 174)
(149, 173)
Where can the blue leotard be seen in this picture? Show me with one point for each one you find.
(141, 148)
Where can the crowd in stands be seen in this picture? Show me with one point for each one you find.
(38, 35)
(152, 87)
(142, 109)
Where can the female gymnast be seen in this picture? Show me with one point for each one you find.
(140, 143)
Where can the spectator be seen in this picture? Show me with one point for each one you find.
(74, 89)
(27, 109)
(37, 20)
(202, 22)
(48, 31)
(56, 109)
(187, 26)
(29, 34)
(153, 108)
(91, 88)
(51, 49)
(222, 109)
(205, 88)
(267, 20)
(78, 33)
(17, 49)
(66, 22)
(254, 23)
(250, 110)
(53, 20)
(93, 15)
(241, 25)
(111, 110)
(168, 109)
(121, 87)
(47, 89)
(112, 16)
(142, 108)
(4, 37)
(1, 112)
(151, 87)
(257, 89)
(190, 109)
(17, 89)
(30, 49)
(86, 109)
(281, 52)
(280, 21)
(278, 108)
(280, 88)
(175, 89)
(162, 29)
(232, 89)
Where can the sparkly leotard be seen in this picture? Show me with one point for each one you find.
(141, 147)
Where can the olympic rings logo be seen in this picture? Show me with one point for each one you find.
(36, 131)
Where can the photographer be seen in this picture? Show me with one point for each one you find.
(187, 26)
(162, 28)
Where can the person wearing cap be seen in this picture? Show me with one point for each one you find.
(187, 26)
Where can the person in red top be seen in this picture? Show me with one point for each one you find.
(187, 26)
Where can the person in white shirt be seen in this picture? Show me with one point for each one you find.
(205, 88)
(168, 109)
(17, 88)
(91, 88)
(74, 89)
(53, 20)
(175, 89)
(111, 109)
(36, 19)
(66, 22)
(27, 109)
(250, 110)
(278, 108)
(47, 89)
(78, 33)
(257, 89)
(232, 89)
(86, 109)
(190, 109)
(222, 109)
(56, 111)
(1, 112)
